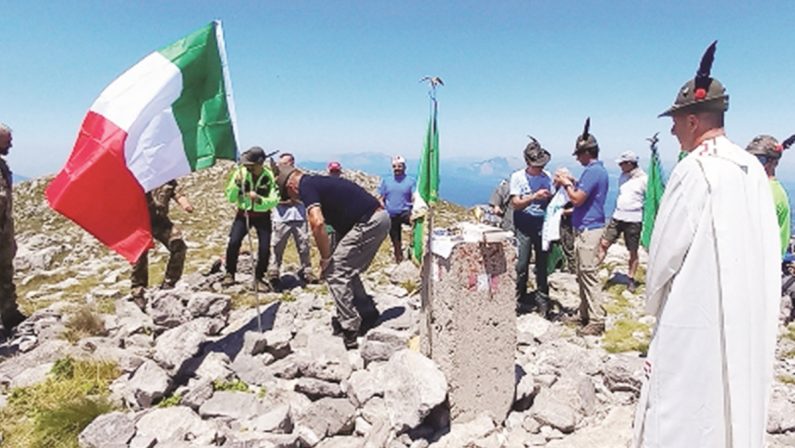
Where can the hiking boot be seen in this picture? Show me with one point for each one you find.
(592, 329)
(308, 278)
(138, 297)
(228, 280)
(167, 285)
(215, 267)
(263, 286)
(369, 321)
(336, 328)
(542, 304)
(632, 286)
(349, 339)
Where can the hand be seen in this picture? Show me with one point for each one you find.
(188, 208)
(324, 264)
(252, 195)
(542, 194)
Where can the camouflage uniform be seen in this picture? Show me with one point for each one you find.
(8, 249)
(167, 233)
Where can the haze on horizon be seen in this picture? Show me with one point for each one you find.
(317, 78)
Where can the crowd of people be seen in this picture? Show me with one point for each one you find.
(712, 281)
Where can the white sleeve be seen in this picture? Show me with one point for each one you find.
(516, 185)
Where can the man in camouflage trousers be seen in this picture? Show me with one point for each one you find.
(166, 232)
(10, 316)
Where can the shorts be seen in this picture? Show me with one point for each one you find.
(631, 231)
(397, 225)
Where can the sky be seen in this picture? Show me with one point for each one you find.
(319, 78)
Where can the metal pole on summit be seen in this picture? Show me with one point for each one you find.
(255, 257)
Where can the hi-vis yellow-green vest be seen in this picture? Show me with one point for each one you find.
(241, 183)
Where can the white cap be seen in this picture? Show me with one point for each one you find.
(627, 156)
(398, 159)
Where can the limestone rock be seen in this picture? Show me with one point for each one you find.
(624, 373)
(363, 385)
(781, 415)
(316, 389)
(381, 343)
(198, 392)
(167, 310)
(179, 344)
(413, 387)
(147, 385)
(112, 430)
(232, 404)
(207, 304)
(326, 417)
(548, 410)
(252, 370)
(470, 434)
(328, 359)
(275, 420)
(404, 273)
(175, 424)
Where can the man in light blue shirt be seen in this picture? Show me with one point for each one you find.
(588, 219)
(395, 194)
(289, 219)
(530, 194)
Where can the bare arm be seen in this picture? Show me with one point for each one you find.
(185, 204)
(318, 226)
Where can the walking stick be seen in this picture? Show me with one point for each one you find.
(251, 248)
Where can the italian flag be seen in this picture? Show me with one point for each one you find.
(167, 116)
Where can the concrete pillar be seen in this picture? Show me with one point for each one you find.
(468, 324)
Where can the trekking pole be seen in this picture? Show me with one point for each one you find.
(254, 255)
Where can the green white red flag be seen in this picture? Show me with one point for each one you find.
(169, 115)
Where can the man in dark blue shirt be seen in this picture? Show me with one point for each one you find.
(530, 194)
(396, 195)
(361, 225)
(588, 219)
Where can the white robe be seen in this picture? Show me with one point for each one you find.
(713, 285)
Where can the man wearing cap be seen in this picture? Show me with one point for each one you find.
(530, 194)
(588, 220)
(289, 219)
(10, 316)
(395, 194)
(163, 230)
(712, 285)
(334, 169)
(253, 191)
(768, 151)
(628, 215)
(361, 225)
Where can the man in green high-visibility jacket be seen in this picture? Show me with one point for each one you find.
(253, 190)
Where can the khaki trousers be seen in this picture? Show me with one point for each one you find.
(171, 237)
(586, 249)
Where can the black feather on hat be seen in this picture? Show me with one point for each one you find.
(702, 93)
(788, 142)
(586, 140)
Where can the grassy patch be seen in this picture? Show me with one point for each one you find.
(83, 322)
(288, 296)
(54, 412)
(786, 379)
(623, 337)
(410, 285)
(171, 400)
(232, 385)
(790, 334)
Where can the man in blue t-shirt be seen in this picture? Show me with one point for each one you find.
(588, 220)
(530, 193)
(395, 194)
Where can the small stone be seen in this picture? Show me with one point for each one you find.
(254, 343)
(316, 389)
(148, 384)
(275, 420)
(232, 404)
(413, 386)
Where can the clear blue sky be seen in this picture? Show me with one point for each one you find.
(325, 77)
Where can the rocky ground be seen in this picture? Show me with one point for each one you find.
(90, 369)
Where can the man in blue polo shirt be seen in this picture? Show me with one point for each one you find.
(588, 219)
(530, 194)
(395, 195)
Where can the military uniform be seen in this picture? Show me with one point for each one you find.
(166, 232)
(8, 249)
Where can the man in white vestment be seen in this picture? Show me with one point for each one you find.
(713, 286)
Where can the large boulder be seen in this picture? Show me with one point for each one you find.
(169, 426)
(549, 410)
(179, 344)
(413, 387)
(232, 404)
(467, 434)
(381, 343)
(624, 373)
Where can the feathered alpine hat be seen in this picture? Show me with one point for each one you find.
(586, 140)
(701, 93)
(768, 146)
(535, 155)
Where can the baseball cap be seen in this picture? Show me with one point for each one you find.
(627, 156)
(398, 159)
(253, 156)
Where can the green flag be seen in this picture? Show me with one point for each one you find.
(427, 185)
(654, 192)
